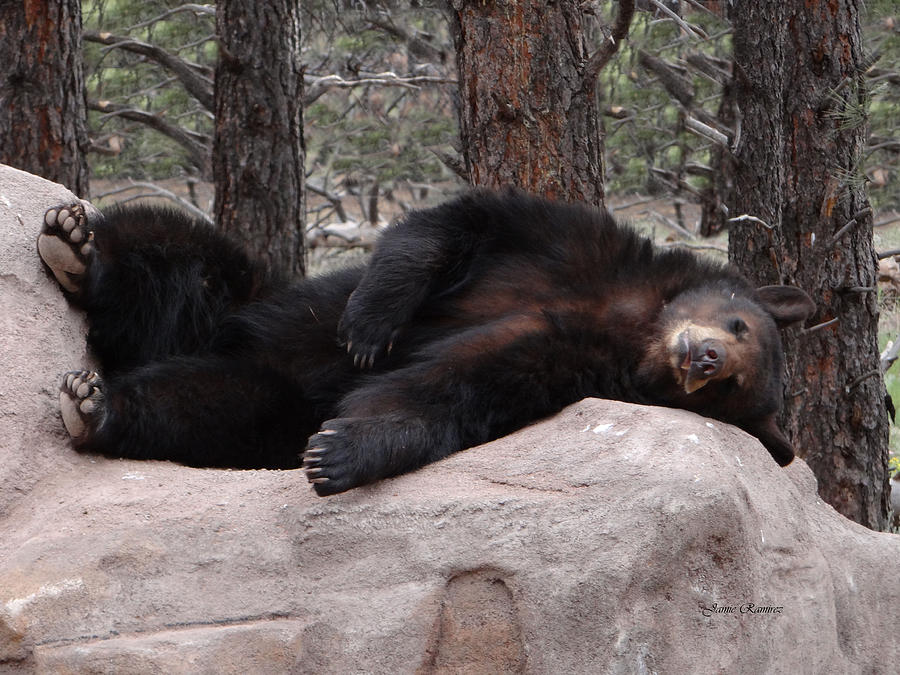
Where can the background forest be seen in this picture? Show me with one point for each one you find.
(398, 132)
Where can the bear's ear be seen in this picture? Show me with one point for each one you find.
(767, 431)
(786, 304)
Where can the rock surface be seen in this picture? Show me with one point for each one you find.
(611, 538)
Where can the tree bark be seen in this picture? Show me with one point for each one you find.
(258, 152)
(528, 110)
(43, 115)
(799, 90)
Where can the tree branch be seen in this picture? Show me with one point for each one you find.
(336, 200)
(197, 79)
(686, 27)
(314, 87)
(677, 85)
(752, 219)
(705, 131)
(610, 46)
(156, 191)
(416, 45)
(209, 10)
(889, 355)
(197, 145)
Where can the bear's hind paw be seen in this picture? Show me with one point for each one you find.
(66, 244)
(81, 403)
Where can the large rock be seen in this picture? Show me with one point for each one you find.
(610, 538)
(41, 337)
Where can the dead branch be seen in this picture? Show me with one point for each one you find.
(820, 326)
(610, 46)
(671, 224)
(694, 247)
(154, 190)
(889, 355)
(197, 79)
(698, 169)
(629, 205)
(684, 25)
(890, 144)
(452, 161)
(705, 131)
(316, 86)
(883, 74)
(196, 9)
(751, 219)
(862, 378)
(336, 200)
(717, 70)
(672, 181)
(703, 8)
(677, 85)
(846, 228)
(890, 220)
(416, 45)
(197, 145)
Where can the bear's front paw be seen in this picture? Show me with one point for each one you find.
(81, 403)
(332, 459)
(66, 245)
(366, 337)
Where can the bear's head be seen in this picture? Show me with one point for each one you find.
(719, 351)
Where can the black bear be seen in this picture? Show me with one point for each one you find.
(471, 320)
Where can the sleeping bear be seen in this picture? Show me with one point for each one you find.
(471, 320)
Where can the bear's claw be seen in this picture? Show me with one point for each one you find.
(328, 461)
(366, 335)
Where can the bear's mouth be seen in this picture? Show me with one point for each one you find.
(697, 360)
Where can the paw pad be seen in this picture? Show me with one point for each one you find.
(66, 244)
(81, 402)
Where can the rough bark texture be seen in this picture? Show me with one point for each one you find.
(258, 153)
(797, 75)
(528, 113)
(42, 105)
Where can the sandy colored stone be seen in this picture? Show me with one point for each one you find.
(600, 540)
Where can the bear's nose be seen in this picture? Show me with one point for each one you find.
(703, 359)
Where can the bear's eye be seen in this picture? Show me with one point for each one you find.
(737, 326)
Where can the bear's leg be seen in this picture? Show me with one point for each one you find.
(466, 390)
(425, 255)
(154, 282)
(352, 451)
(192, 410)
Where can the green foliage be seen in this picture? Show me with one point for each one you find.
(653, 134)
(881, 32)
(384, 134)
(133, 149)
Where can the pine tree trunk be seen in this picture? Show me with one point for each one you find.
(799, 87)
(258, 152)
(528, 110)
(43, 114)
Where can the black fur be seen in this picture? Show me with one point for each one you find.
(472, 320)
